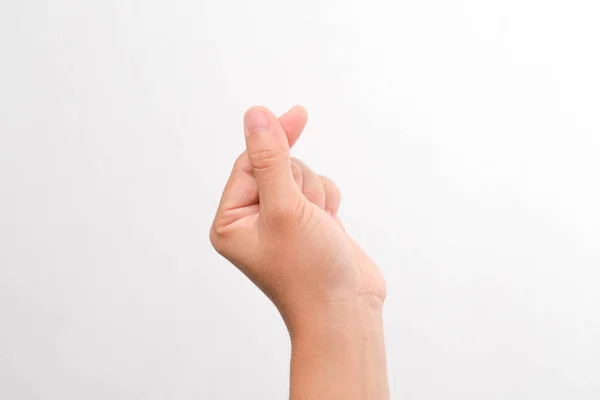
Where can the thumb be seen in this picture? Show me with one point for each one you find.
(268, 152)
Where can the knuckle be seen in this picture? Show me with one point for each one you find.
(314, 194)
(219, 238)
(284, 216)
(299, 162)
(280, 217)
(296, 170)
(337, 193)
(330, 186)
(265, 159)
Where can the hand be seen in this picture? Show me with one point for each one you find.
(277, 222)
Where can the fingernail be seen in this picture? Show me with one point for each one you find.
(255, 120)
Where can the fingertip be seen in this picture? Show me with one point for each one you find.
(293, 123)
(300, 110)
(258, 108)
(255, 119)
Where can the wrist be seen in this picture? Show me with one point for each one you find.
(342, 322)
(305, 319)
(340, 346)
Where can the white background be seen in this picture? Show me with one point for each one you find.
(465, 137)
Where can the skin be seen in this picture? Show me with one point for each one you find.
(277, 223)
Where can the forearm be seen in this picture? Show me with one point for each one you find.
(340, 354)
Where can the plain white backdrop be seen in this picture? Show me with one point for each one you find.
(464, 135)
